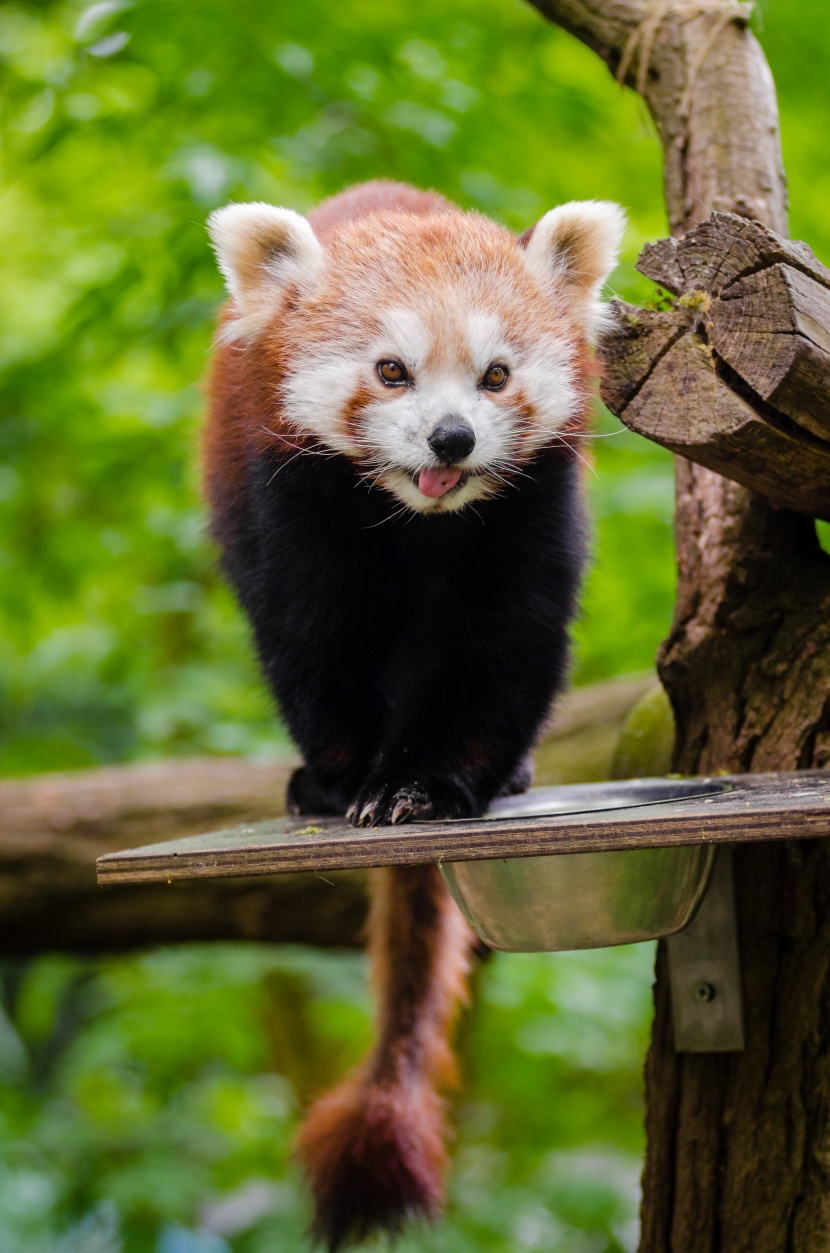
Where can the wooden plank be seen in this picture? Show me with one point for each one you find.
(759, 807)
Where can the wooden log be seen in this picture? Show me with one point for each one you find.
(773, 328)
(719, 251)
(53, 827)
(736, 376)
(682, 401)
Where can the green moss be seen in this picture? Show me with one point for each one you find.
(646, 742)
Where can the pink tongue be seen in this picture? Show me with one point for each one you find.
(437, 482)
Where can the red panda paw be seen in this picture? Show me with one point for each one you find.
(307, 795)
(385, 801)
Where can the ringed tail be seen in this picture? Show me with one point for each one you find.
(374, 1148)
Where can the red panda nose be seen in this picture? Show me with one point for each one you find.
(452, 440)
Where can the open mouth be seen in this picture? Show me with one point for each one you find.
(437, 481)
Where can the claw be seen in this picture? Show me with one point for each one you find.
(367, 814)
(409, 804)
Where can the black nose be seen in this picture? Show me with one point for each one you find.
(452, 440)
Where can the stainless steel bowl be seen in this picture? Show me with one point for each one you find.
(584, 900)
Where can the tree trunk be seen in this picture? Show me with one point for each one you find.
(738, 1157)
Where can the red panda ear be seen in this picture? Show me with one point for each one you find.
(261, 250)
(571, 252)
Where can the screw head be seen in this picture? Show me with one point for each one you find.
(704, 992)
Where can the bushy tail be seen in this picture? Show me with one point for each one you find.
(373, 1148)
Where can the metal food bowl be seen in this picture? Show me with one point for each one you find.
(585, 900)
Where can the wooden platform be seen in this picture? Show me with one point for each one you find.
(758, 807)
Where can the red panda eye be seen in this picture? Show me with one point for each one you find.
(495, 378)
(392, 373)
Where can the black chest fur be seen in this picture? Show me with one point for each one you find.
(412, 655)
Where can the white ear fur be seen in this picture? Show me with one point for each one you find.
(260, 250)
(571, 252)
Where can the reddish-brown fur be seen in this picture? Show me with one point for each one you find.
(352, 413)
(374, 1148)
(373, 197)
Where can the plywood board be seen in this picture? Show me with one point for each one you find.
(585, 818)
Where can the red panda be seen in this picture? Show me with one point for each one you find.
(393, 485)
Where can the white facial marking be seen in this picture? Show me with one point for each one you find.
(408, 338)
(317, 390)
(391, 437)
(484, 335)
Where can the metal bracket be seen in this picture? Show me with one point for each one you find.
(705, 972)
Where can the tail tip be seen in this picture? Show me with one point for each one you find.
(375, 1160)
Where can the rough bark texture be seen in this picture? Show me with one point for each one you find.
(53, 827)
(738, 1146)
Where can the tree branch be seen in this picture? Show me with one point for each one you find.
(708, 87)
(736, 1154)
(53, 827)
(605, 28)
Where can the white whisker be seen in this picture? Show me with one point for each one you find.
(395, 514)
(315, 450)
(599, 434)
(578, 456)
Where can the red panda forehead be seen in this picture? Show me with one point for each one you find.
(439, 266)
(452, 237)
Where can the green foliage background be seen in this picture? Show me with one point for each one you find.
(138, 1093)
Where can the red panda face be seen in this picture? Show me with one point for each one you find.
(434, 351)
